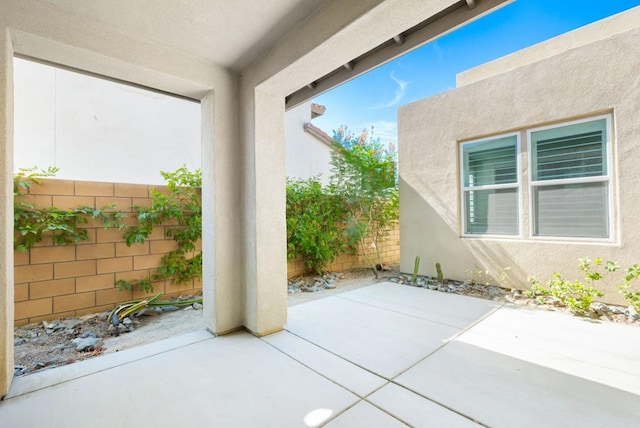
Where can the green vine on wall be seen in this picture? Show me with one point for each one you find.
(183, 205)
(32, 223)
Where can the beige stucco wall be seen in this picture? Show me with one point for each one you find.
(6, 214)
(603, 29)
(84, 125)
(594, 78)
(307, 156)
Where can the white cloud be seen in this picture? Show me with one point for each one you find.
(400, 90)
(386, 130)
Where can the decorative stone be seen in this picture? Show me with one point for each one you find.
(493, 291)
(86, 344)
(197, 306)
(20, 370)
(73, 322)
(60, 347)
(617, 310)
(599, 308)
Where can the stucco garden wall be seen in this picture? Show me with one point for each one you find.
(569, 81)
(54, 281)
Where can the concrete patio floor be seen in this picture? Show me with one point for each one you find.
(381, 356)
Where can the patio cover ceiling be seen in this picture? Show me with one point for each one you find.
(236, 34)
(230, 33)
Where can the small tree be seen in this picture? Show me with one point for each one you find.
(365, 173)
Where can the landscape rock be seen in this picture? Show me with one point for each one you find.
(61, 347)
(632, 313)
(19, 341)
(599, 308)
(72, 322)
(197, 306)
(20, 370)
(84, 344)
(617, 310)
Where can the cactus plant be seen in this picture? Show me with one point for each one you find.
(416, 266)
(440, 274)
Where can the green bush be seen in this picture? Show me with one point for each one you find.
(315, 218)
(577, 296)
(633, 297)
(354, 212)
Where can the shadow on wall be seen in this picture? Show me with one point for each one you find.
(430, 230)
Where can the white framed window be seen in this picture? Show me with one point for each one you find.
(570, 180)
(491, 186)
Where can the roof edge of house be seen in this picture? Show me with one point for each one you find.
(319, 134)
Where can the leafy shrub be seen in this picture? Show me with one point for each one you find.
(315, 218)
(633, 297)
(575, 295)
(356, 210)
(578, 295)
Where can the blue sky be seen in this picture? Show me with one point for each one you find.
(373, 99)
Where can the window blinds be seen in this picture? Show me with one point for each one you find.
(575, 204)
(491, 187)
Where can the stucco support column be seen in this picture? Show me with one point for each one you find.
(6, 211)
(221, 207)
(265, 228)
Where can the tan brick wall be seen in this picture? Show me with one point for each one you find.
(389, 253)
(72, 280)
